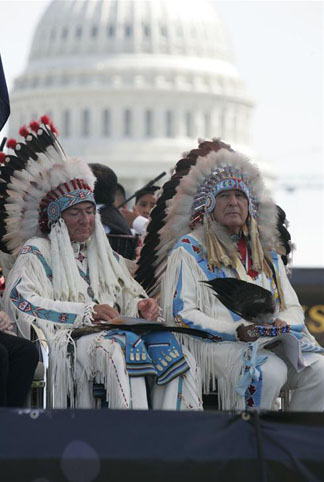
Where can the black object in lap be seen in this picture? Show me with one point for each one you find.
(142, 328)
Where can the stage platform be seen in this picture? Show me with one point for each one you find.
(154, 446)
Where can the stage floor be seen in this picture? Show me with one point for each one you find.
(156, 446)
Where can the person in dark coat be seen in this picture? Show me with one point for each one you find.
(104, 193)
(18, 361)
(115, 225)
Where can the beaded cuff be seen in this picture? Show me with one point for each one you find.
(271, 330)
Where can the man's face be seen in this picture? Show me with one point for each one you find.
(80, 221)
(145, 204)
(231, 210)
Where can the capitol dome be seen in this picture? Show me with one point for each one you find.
(133, 84)
(111, 27)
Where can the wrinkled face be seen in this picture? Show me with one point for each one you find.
(145, 204)
(80, 221)
(231, 210)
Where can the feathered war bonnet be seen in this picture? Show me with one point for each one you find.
(187, 202)
(37, 184)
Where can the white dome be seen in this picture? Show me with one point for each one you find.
(110, 27)
(133, 84)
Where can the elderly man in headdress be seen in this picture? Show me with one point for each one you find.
(216, 220)
(66, 276)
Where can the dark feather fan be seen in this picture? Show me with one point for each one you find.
(251, 302)
(145, 328)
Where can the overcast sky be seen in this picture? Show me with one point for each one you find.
(278, 46)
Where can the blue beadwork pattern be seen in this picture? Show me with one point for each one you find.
(154, 353)
(29, 309)
(29, 249)
(55, 316)
(195, 250)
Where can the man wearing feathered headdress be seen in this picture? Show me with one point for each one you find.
(215, 219)
(66, 276)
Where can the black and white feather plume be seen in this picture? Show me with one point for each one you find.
(248, 300)
(284, 235)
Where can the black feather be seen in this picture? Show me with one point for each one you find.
(251, 302)
(284, 234)
(24, 153)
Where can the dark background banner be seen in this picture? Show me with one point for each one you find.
(309, 286)
(153, 446)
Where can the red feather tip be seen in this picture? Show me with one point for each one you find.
(34, 125)
(45, 119)
(2, 157)
(23, 131)
(53, 128)
(11, 143)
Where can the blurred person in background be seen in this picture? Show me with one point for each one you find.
(105, 192)
(138, 218)
(120, 195)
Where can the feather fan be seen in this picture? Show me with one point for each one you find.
(248, 300)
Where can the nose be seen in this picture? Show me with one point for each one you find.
(233, 200)
(85, 217)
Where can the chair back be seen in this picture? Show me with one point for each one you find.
(124, 244)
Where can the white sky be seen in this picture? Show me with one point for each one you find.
(278, 47)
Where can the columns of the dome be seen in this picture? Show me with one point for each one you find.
(229, 114)
(208, 124)
(159, 121)
(96, 122)
(240, 125)
(138, 123)
(198, 128)
(216, 129)
(117, 122)
(178, 119)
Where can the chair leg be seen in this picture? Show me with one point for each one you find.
(285, 396)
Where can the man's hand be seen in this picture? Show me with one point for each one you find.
(278, 323)
(130, 216)
(148, 309)
(103, 313)
(247, 333)
(5, 322)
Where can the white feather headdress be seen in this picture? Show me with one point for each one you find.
(38, 174)
(182, 206)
